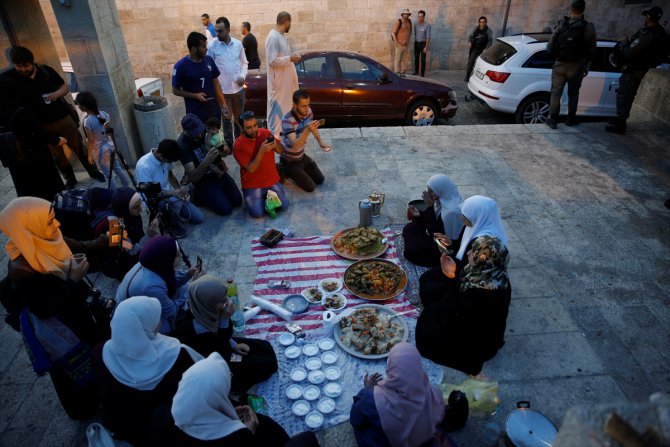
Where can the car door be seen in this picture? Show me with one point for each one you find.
(316, 74)
(364, 94)
(595, 88)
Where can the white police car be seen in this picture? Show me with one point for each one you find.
(514, 76)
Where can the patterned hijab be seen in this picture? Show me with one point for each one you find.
(488, 268)
(158, 256)
(25, 221)
(483, 213)
(449, 205)
(409, 406)
(204, 294)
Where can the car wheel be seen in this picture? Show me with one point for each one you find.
(421, 113)
(533, 110)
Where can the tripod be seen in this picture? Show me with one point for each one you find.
(109, 130)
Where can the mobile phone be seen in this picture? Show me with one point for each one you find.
(116, 228)
(198, 263)
(279, 284)
(441, 245)
(270, 139)
(235, 358)
(321, 122)
(295, 330)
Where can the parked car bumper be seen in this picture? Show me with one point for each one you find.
(495, 99)
(448, 108)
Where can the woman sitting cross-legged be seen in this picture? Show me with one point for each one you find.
(139, 369)
(466, 300)
(156, 276)
(442, 217)
(206, 327)
(401, 411)
(203, 415)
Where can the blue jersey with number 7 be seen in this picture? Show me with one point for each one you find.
(196, 77)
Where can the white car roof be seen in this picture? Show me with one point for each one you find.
(521, 39)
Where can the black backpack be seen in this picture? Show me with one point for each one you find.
(571, 45)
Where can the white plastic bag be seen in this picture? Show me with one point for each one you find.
(98, 436)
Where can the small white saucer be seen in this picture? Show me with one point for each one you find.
(314, 419)
(300, 407)
(332, 373)
(326, 405)
(329, 357)
(294, 391)
(312, 392)
(332, 389)
(292, 352)
(286, 339)
(310, 349)
(316, 377)
(313, 363)
(298, 374)
(326, 344)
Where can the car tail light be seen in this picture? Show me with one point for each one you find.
(497, 76)
(140, 93)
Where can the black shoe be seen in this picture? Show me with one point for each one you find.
(618, 127)
(99, 176)
(177, 231)
(667, 203)
(415, 73)
(551, 123)
(571, 121)
(70, 184)
(613, 121)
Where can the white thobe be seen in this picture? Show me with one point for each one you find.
(282, 79)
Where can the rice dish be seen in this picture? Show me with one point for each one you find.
(370, 331)
(313, 295)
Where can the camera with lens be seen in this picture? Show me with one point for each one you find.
(152, 190)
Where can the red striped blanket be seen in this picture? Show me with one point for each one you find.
(304, 262)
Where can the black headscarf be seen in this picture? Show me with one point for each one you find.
(120, 206)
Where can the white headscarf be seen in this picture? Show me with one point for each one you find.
(483, 213)
(25, 222)
(137, 355)
(201, 407)
(449, 206)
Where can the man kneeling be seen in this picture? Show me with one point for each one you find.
(297, 125)
(254, 151)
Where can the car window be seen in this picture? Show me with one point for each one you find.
(354, 69)
(498, 53)
(317, 67)
(601, 61)
(541, 59)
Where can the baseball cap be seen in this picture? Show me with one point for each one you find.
(406, 11)
(654, 13)
(192, 126)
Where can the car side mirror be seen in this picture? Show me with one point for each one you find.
(384, 79)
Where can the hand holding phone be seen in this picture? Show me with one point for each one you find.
(443, 243)
(321, 122)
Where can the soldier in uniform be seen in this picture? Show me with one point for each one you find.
(639, 54)
(573, 43)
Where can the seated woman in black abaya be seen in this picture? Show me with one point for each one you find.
(466, 300)
(207, 328)
(441, 217)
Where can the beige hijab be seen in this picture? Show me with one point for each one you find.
(204, 294)
(25, 222)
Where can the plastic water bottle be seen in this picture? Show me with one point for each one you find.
(365, 210)
(239, 325)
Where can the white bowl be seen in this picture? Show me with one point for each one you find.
(332, 373)
(298, 374)
(326, 344)
(313, 363)
(292, 352)
(286, 339)
(314, 419)
(313, 295)
(316, 377)
(326, 405)
(294, 391)
(329, 357)
(333, 284)
(332, 389)
(311, 392)
(300, 407)
(340, 299)
(310, 349)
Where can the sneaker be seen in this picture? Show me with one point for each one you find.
(70, 184)
(177, 231)
(551, 123)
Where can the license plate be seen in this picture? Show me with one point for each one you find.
(479, 74)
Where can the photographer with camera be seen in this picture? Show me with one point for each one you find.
(203, 163)
(254, 151)
(156, 166)
(100, 144)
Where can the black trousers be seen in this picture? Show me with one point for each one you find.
(304, 172)
(629, 82)
(418, 53)
(472, 58)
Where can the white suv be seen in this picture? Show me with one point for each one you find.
(514, 76)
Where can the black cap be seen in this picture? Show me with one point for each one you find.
(654, 13)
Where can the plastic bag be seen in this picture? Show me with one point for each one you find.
(272, 202)
(482, 396)
(98, 436)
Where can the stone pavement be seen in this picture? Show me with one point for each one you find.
(589, 240)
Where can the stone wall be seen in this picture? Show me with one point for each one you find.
(156, 30)
(651, 102)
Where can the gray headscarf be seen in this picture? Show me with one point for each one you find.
(204, 294)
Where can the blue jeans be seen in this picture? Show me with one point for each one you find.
(104, 161)
(183, 210)
(220, 194)
(255, 199)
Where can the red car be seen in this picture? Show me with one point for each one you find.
(350, 86)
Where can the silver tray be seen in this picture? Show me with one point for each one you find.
(354, 352)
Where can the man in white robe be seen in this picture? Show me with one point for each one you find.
(282, 77)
